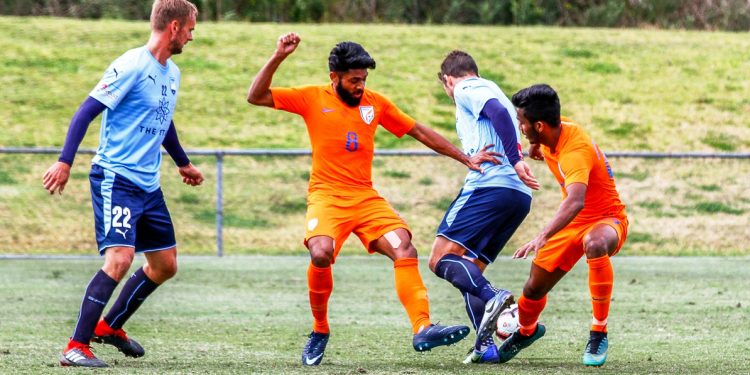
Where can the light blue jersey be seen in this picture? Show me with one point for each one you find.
(140, 95)
(475, 131)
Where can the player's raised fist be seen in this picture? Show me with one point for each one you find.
(287, 43)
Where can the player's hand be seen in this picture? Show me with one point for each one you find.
(524, 173)
(531, 247)
(535, 151)
(287, 43)
(191, 175)
(483, 156)
(56, 177)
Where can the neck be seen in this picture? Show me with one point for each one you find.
(158, 45)
(553, 138)
(458, 80)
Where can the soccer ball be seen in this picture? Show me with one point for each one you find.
(507, 323)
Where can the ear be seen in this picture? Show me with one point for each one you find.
(539, 125)
(174, 25)
(334, 77)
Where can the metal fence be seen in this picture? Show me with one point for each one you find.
(220, 154)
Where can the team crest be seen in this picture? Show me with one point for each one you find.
(367, 112)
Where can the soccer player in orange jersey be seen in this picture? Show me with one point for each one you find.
(341, 119)
(591, 220)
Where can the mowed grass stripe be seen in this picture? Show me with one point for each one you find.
(250, 315)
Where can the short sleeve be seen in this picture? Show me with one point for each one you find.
(291, 99)
(576, 165)
(394, 120)
(119, 78)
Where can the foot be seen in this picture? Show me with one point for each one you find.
(104, 334)
(517, 341)
(313, 352)
(596, 350)
(437, 335)
(487, 353)
(492, 310)
(77, 354)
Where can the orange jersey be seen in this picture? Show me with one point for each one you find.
(342, 137)
(578, 159)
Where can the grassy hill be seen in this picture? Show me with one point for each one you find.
(632, 89)
(635, 89)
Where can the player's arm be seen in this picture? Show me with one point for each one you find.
(568, 210)
(190, 174)
(57, 175)
(439, 144)
(260, 90)
(503, 125)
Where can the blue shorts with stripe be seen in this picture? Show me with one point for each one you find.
(483, 219)
(126, 215)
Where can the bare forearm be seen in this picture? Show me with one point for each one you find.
(568, 210)
(260, 90)
(438, 143)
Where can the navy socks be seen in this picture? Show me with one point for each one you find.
(135, 290)
(97, 295)
(465, 276)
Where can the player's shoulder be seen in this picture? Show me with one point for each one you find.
(475, 88)
(576, 137)
(376, 98)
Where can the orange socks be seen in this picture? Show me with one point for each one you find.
(320, 286)
(412, 292)
(601, 278)
(529, 311)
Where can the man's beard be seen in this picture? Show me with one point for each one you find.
(175, 48)
(350, 100)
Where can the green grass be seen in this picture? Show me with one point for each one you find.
(648, 82)
(251, 315)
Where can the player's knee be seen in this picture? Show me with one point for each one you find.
(434, 260)
(595, 247)
(405, 250)
(321, 257)
(167, 271)
(117, 266)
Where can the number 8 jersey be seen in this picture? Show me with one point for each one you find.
(342, 137)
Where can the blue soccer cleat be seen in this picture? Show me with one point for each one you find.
(492, 310)
(596, 350)
(436, 335)
(313, 352)
(487, 353)
(517, 341)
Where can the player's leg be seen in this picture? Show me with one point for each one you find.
(155, 238)
(111, 198)
(117, 261)
(396, 245)
(601, 242)
(327, 224)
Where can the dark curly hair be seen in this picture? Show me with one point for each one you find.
(349, 55)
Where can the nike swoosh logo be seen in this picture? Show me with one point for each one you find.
(327, 110)
(310, 361)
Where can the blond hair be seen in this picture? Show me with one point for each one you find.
(164, 11)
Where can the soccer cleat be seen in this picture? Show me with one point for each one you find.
(492, 310)
(596, 350)
(517, 341)
(313, 352)
(437, 335)
(488, 355)
(104, 334)
(77, 354)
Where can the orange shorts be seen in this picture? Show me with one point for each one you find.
(367, 214)
(565, 248)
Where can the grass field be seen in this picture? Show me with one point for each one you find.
(250, 315)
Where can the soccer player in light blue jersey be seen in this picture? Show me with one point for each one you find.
(490, 206)
(137, 96)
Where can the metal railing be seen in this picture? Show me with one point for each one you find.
(220, 154)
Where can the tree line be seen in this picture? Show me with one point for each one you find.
(732, 15)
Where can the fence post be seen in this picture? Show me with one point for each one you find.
(219, 204)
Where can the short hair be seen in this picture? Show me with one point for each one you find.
(164, 11)
(349, 55)
(539, 103)
(458, 64)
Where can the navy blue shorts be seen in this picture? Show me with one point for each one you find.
(482, 220)
(126, 215)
